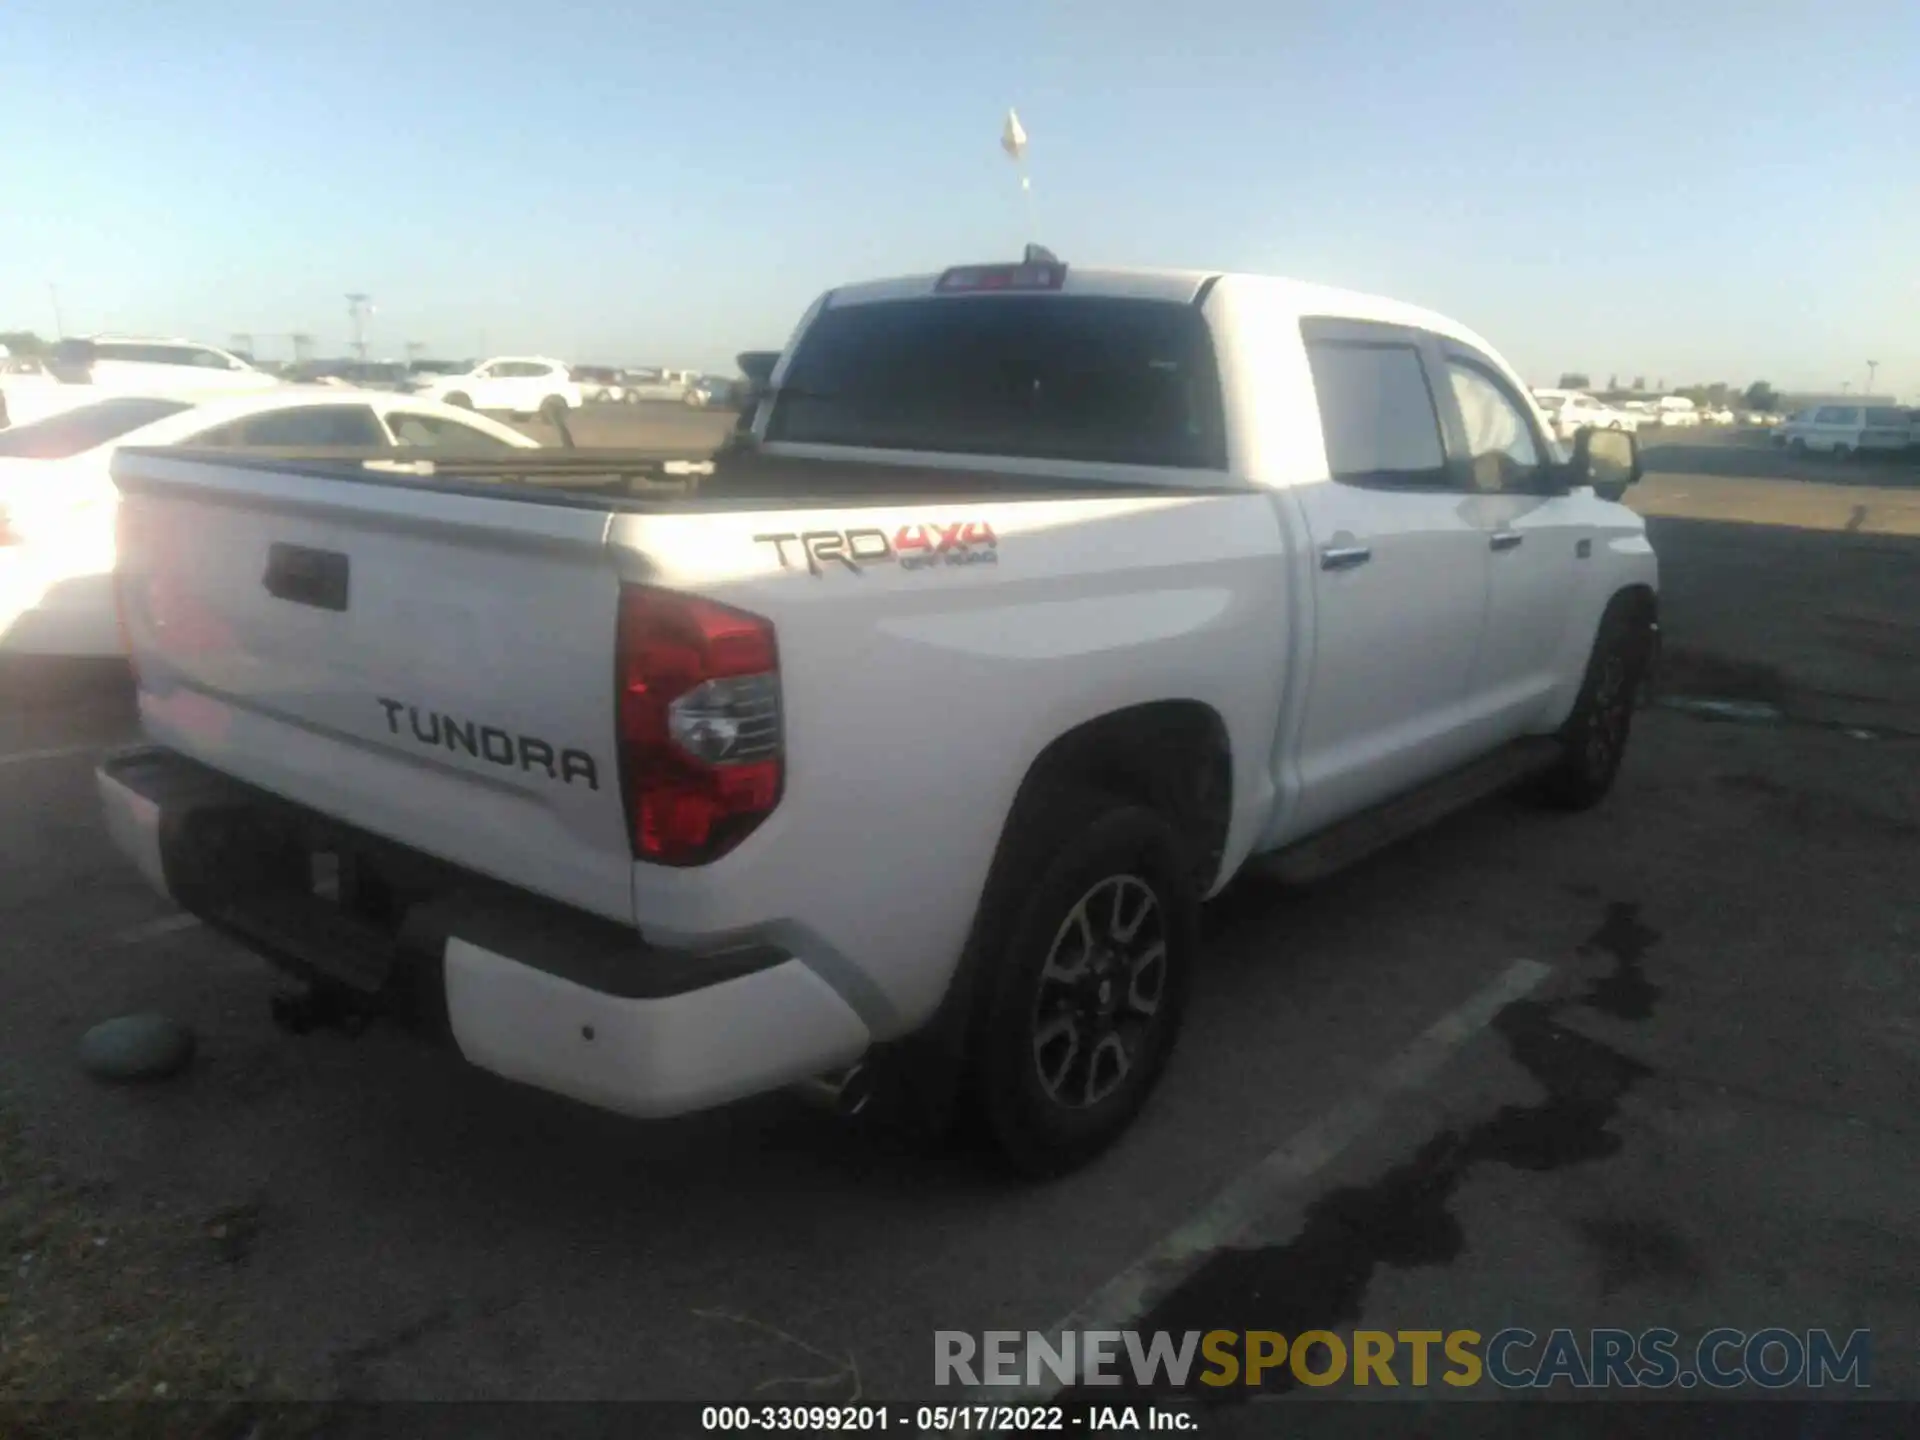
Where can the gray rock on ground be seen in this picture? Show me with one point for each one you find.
(136, 1047)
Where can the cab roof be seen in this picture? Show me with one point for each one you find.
(1277, 295)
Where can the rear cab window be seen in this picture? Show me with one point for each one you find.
(1378, 416)
(1099, 379)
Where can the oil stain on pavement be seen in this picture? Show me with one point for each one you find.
(1319, 1279)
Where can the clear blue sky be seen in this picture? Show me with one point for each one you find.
(1691, 190)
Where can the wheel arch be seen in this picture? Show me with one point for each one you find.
(1173, 756)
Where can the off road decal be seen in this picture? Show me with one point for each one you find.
(911, 547)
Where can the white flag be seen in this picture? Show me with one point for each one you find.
(1013, 138)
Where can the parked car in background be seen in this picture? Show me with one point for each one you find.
(659, 384)
(1677, 410)
(713, 392)
(600, 383)
(355, 374)
(58, 502)
(1646, 411)
(1717, 417)
(518, 385)
(1571, 411)
(30, 391)
(427, 369)
(131, 365)
(1844, 430)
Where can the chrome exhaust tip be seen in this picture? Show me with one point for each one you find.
(843, 1092)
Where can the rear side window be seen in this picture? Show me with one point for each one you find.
(431, 432)
(316, 425)
(1886, 415)
(1377, 414)
(72, 432)
(1053, 377)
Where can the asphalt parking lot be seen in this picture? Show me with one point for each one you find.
(1673, 1081)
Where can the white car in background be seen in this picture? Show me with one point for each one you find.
(1572, 411)
(1677, 410)
(516, 384)
(599, 384)
(58, 502)
(133, 365)
(659, 384)
(30, 391)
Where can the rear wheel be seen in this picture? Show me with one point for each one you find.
(460, 400)
(1594, 740)
(1085, 997)
(1797, 445)
(1843, 452)
(553, 408)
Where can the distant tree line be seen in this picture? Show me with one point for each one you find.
(1717, 396)
(24, 342)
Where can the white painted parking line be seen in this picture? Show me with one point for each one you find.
(154, 929)
(21, 757)
(1232, 1213)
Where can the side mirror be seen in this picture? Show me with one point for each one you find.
(1608, 460)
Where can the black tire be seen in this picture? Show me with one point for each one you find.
(1797, 445)
(1086, 849)
(460, 401)
(1843, 452)
(551, 407)
(1594, 739)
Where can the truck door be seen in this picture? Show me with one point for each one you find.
(1539, 542)
(1400, 568)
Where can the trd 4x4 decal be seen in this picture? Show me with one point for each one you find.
(911, 547)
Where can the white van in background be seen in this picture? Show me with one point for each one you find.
(1843, 430)
(172, 369)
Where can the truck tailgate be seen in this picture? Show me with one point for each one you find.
(434, 667)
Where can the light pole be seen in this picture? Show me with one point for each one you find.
(359, 307)
(1872, 365)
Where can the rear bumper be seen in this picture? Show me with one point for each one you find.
(528, 989)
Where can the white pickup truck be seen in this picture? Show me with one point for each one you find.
(1042, 602)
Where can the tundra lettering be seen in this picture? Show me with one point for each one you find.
(489, 742)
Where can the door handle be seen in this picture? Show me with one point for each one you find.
(1344, 557)
(1505, 540)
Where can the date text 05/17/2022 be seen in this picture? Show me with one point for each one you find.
(947, 1419)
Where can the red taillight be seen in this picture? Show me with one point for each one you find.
(700, 739)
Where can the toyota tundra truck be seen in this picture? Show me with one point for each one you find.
(1039, 603)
